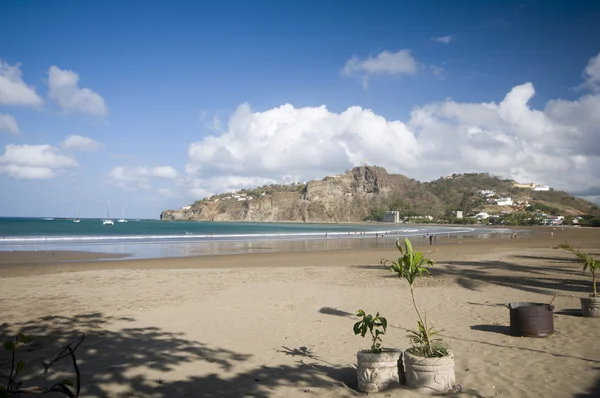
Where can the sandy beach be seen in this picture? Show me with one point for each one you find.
(280, 324)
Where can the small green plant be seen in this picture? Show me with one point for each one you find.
(410, 266)
(588, 263)
(376, 325)
(13, 388)
(425, 344)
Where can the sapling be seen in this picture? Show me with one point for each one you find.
(376, 325)
(410, 266)
(588, 263)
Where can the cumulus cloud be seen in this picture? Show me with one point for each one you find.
(64, 89)
(34, 161)
(9, 124)
(385, 63)
(557, 145)
(133, 178)
(591, 74)
(444, 39)
(13, 90)
(81, 143)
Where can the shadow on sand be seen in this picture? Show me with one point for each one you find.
(142, 362)
(501, 329)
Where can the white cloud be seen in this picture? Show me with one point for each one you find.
(444, 39)
(133, 178)
(34, 161)
(9, 124)
(13, 90)
(81, 143)
(164, 172)
(558, 145)
(64, 89)
(591, 74)
(385, 63)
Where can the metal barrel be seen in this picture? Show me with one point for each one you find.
(531, 319)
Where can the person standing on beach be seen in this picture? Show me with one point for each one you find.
(431, 239)
(551, 235)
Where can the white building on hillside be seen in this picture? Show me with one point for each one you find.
(482, 216)
(504, 201)
(541, 188)
(486, 192)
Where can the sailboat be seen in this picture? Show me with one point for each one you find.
(77, 218)
(122, 219)
(108, 221)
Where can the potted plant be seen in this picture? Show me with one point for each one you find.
(429, 362)
(378, 367)
(590, 306)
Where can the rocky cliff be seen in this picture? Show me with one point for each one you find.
(343, 198)
(367, 191)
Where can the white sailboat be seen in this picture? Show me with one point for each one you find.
(108, 221)
(77, 218)
(122, 219)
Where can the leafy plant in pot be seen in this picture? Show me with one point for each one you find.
(378, 367)
(429, 362)
(590, 306)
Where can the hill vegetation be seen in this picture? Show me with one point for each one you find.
(365, 193)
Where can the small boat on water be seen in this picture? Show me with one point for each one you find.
(77, 218)
(122, 219)
(108, 221)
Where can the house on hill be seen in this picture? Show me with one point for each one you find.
(544, 188)
(504, 201)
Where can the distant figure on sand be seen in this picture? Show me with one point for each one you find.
(551, 235)
(430, 239)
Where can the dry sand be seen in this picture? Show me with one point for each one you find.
(280, 324)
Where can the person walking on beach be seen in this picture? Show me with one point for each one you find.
(551, 235)
(431, 239)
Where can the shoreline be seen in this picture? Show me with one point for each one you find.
(173, 246)
(26, 263)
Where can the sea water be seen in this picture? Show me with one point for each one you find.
(157, 239)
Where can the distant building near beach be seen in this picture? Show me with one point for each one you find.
(458, 214)
(482, 216)
(553, 220)
(391, 216)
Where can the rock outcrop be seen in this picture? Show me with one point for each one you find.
(366, 192)
(342, 198)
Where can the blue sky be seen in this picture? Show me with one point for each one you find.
(166, 102)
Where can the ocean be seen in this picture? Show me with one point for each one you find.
(158, 239)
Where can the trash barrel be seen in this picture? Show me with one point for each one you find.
(531, 319)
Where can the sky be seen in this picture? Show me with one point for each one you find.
(152, 105)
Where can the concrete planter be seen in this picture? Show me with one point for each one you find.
(590, 307)
(430, 376)
(377, 372)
